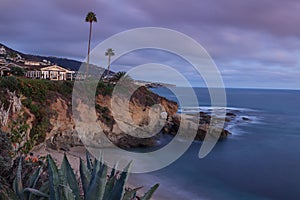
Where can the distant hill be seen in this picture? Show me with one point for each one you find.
(64, 62)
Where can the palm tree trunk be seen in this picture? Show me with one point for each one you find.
(108, 67)
(89, 49)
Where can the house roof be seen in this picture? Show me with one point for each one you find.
(34, 61)
(55, 68)
(13, 65)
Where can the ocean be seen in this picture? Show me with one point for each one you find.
(260, 160)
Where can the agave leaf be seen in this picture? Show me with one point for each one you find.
(111, 182)
(131, 194)
(34, 178)
(36, 192)
(45, 187)
(54, 179)
(89, 161)
(109, 187)
(85, 176)
(101, 159)
(17, 184)
(149, 194)
(67, 193)
(69, 178)
(114, 170)
(96, 167)
(32, 182)
(119, 187)
(97, 185)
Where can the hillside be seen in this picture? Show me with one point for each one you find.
(64, 62)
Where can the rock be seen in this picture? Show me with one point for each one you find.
(231, 114)
(128, 141)
(62, 135)
(228, 119)
(201, 133)
(224, 134)
(173, 125)
(204, 118)
(245, 119)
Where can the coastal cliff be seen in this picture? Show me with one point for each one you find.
(44, 110)
(39, 113)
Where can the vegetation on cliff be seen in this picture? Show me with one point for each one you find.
(37, 95)
(47, 110)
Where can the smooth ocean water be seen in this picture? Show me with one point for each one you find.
(261, 160)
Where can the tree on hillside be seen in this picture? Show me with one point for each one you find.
(122, 78)
(13, 55)
(118, 76)
(17, 71)
(109, 52)
(90, 17)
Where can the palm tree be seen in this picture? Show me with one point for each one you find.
(118, 76)
(90, 17)
(109, 52)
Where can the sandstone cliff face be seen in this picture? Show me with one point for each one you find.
(46, 107)
(126, 126)
(63, 133)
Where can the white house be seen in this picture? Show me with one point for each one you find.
(53, 72)
(32, 63)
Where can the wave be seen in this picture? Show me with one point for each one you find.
(210, 108)
(239, 116)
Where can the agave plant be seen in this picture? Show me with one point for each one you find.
(30, 192)
(96, 184)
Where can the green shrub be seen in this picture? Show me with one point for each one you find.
(18, 137)
(17, 71)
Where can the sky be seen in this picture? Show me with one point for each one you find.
(254, 43)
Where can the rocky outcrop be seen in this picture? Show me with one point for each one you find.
(201, 123)
(126, 127)
(63, 134)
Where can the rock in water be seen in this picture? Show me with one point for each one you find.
(245, 118)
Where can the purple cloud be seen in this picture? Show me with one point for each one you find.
(263, 32)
